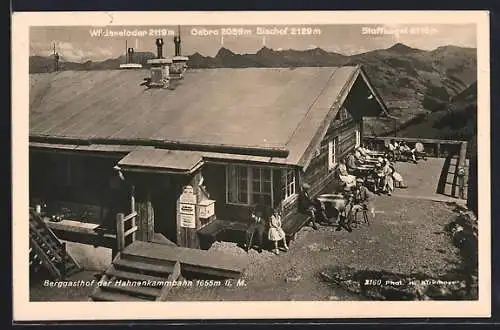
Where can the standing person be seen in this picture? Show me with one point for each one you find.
(307, 206)
(389, 182)
(118, 199)
(276, 233)
(257, 226)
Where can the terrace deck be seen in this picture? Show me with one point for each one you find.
(423, 180)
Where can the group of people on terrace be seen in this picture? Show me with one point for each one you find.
(375, 168)
(363, 172)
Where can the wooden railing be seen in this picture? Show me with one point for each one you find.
(432, 147)
(125, 230)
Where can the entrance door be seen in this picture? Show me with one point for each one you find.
(165, 205)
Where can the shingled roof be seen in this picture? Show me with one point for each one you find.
(255, 108)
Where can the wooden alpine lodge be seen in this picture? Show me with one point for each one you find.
(180, 155)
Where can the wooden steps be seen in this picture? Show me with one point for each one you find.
(143, 266)
(129, 279)
(47, 251)
(198, 263)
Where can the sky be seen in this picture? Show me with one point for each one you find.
(96, 43)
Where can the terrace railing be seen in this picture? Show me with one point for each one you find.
(432, 147)
(448, 149)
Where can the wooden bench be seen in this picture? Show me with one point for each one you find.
(224, 230)
(293, 224)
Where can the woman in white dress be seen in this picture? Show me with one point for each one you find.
(276, 233)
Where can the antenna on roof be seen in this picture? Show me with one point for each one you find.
(56, 59)
(126, 52)
(129, 58)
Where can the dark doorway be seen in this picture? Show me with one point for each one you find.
(164, 201)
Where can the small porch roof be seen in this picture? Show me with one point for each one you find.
(150, 158)
(182, 161)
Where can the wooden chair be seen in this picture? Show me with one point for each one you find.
(354, 216)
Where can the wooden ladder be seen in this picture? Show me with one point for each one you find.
(47, 251)
(129, 279)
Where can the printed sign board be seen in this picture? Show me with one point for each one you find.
(187, 209)
(188, 220)
(188, 196)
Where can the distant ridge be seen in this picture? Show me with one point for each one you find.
(411, 81)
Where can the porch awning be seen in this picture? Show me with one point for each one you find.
(160, 159)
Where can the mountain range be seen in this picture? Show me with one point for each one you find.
(413, 82)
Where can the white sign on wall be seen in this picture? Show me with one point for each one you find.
(187, 207)
(188, 220)
(188, 196)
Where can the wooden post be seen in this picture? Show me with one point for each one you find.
(438, 150)
(63, 264)
(132, 210)
(120, 231)
(462, 163)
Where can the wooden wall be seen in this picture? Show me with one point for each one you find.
(84, 189)
(317, 174)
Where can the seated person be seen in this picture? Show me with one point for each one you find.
(360, 159)
(362, 199)
(368, 152)
(407, 151)
(393, 149)
(363, 152)
(398, 179)
(344, 176)
(351, 164)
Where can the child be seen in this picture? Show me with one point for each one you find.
(276, 234)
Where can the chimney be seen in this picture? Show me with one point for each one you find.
(130, 55)
(56, 59)
(56, 62)
(177, 42)
(160, 68)
(159, 47)
(179, 62)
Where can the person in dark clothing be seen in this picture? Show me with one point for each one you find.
(119, 199)
(309, 206)
(257, 226)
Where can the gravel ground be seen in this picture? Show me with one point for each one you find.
(405, 237)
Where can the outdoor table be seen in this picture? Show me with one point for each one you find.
(329, 200)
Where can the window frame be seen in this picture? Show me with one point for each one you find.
(333, 145)
(357, 133)
(285, 184)
(249, 189)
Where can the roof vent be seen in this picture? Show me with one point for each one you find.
(179, 62)
(130, 61)
(160, 68)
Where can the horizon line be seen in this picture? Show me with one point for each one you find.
(279, 49)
